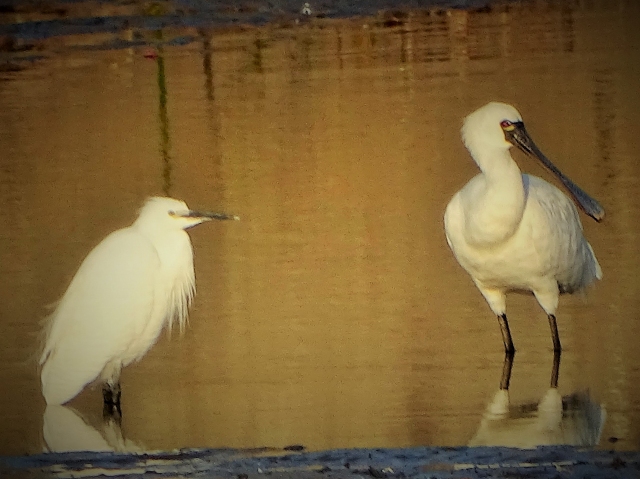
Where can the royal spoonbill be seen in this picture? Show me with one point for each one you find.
(516, 232)
(134, 282)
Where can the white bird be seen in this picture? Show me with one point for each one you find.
(134, 282)
(516, 232)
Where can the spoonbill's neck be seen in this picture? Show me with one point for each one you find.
(496, 208)
(496, 164)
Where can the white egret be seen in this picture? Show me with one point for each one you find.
(134, 282)
(516, 232)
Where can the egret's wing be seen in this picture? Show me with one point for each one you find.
(108, 303)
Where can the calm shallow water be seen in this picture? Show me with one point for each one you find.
(333, 314)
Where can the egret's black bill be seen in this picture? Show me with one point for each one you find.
(209, 215)
(517, 135)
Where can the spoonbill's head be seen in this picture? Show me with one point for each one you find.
(496, 127)
(485, 129)
(167, 214)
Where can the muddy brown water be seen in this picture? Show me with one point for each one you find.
(333, 314)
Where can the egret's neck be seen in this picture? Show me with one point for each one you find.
(494, 207)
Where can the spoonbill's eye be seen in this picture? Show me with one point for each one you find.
(507, 125)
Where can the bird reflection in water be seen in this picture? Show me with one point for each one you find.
(574, 419)
(65, 430)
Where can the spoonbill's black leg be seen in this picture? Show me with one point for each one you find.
(506, 334)
(555, 370)
(506, 371)
(554, 333)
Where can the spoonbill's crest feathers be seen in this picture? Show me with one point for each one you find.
(481, 129)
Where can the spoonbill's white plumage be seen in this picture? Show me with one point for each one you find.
(134, 282)
(513, 231)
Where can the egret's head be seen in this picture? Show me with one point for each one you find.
(487, 129)
(171, 214)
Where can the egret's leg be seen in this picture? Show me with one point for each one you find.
(506, 334)
(111, 393)
(554, 333)
(111, 389)
(113, 420)
(111, 397)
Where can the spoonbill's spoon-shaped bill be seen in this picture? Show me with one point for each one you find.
(517, 134)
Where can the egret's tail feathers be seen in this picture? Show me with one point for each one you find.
(56, 388)
(63, 376)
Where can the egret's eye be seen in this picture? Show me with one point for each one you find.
(507, 125)
(172, 213)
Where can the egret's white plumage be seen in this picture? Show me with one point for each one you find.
(513, 231)
(134, 282)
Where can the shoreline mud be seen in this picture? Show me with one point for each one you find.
(421, 462)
